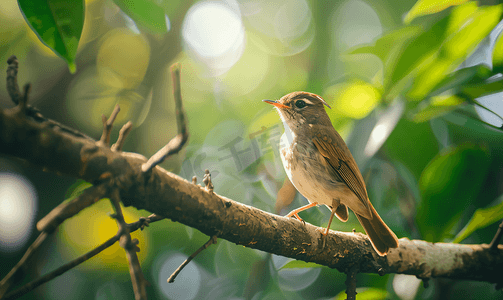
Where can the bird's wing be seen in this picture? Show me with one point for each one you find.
(345, 166)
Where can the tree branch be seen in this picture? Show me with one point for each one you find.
(35, 139)
(170, 196)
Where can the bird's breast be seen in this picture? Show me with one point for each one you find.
(306, 169)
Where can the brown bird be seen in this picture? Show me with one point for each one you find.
(320, 166)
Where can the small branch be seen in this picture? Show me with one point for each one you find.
(140, 224)
(144, 222)
(493, 246)
(208, 185)
(351, 283)
(107, 126)
(176, 144)
(131, 247)
(68, 209)
(36, 283)
(23, 101)
(122, 137)
(211, 241)
(14, 274)
(12, 86)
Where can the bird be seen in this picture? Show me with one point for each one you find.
(319, 164)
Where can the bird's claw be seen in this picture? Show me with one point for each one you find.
(296, 216)
(323, 231)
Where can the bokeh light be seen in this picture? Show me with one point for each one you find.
(18, 205)
(294, 279)
(354, 99)
(92, 227)
(123, 58)
(383, 128)
(282, 27)
(355, 22)
(406, 286)
(214, 34)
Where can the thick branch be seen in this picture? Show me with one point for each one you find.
(170, 196)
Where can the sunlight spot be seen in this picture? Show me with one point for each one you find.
(214, 34)
(18, 204)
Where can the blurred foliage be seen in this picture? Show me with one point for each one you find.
(417, 100)
(482, 218)
(452, 179)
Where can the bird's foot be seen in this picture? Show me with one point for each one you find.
(296, 216)
(322, 230)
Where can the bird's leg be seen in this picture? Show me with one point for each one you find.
(296, 212)
(335, 205)
(324, 233)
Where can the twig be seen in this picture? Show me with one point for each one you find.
(13, 275)
(122, 137)
(34, 284)
(493, 246)
(66, 267)
(23, 101)
(12, 86)
(68, 209)
(176, 144)
(16, 96)
(212, 240)
(351, 283)
(107, 126)
(208, 185)
(131, 247)
(144, 222)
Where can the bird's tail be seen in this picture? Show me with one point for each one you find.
(381, 237)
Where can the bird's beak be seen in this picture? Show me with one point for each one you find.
(276, 103)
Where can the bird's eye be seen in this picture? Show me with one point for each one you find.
(300, 104)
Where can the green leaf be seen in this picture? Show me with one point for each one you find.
(460, 79)
(497, 58)
(58, 24)
(145, 13)
(426, 7)
(466, 29)
(389, 43)
(417, 52)
(76, 189)
(448, 184)
(436, 106)
(478, 90)
(482, 217)
(300, 264)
